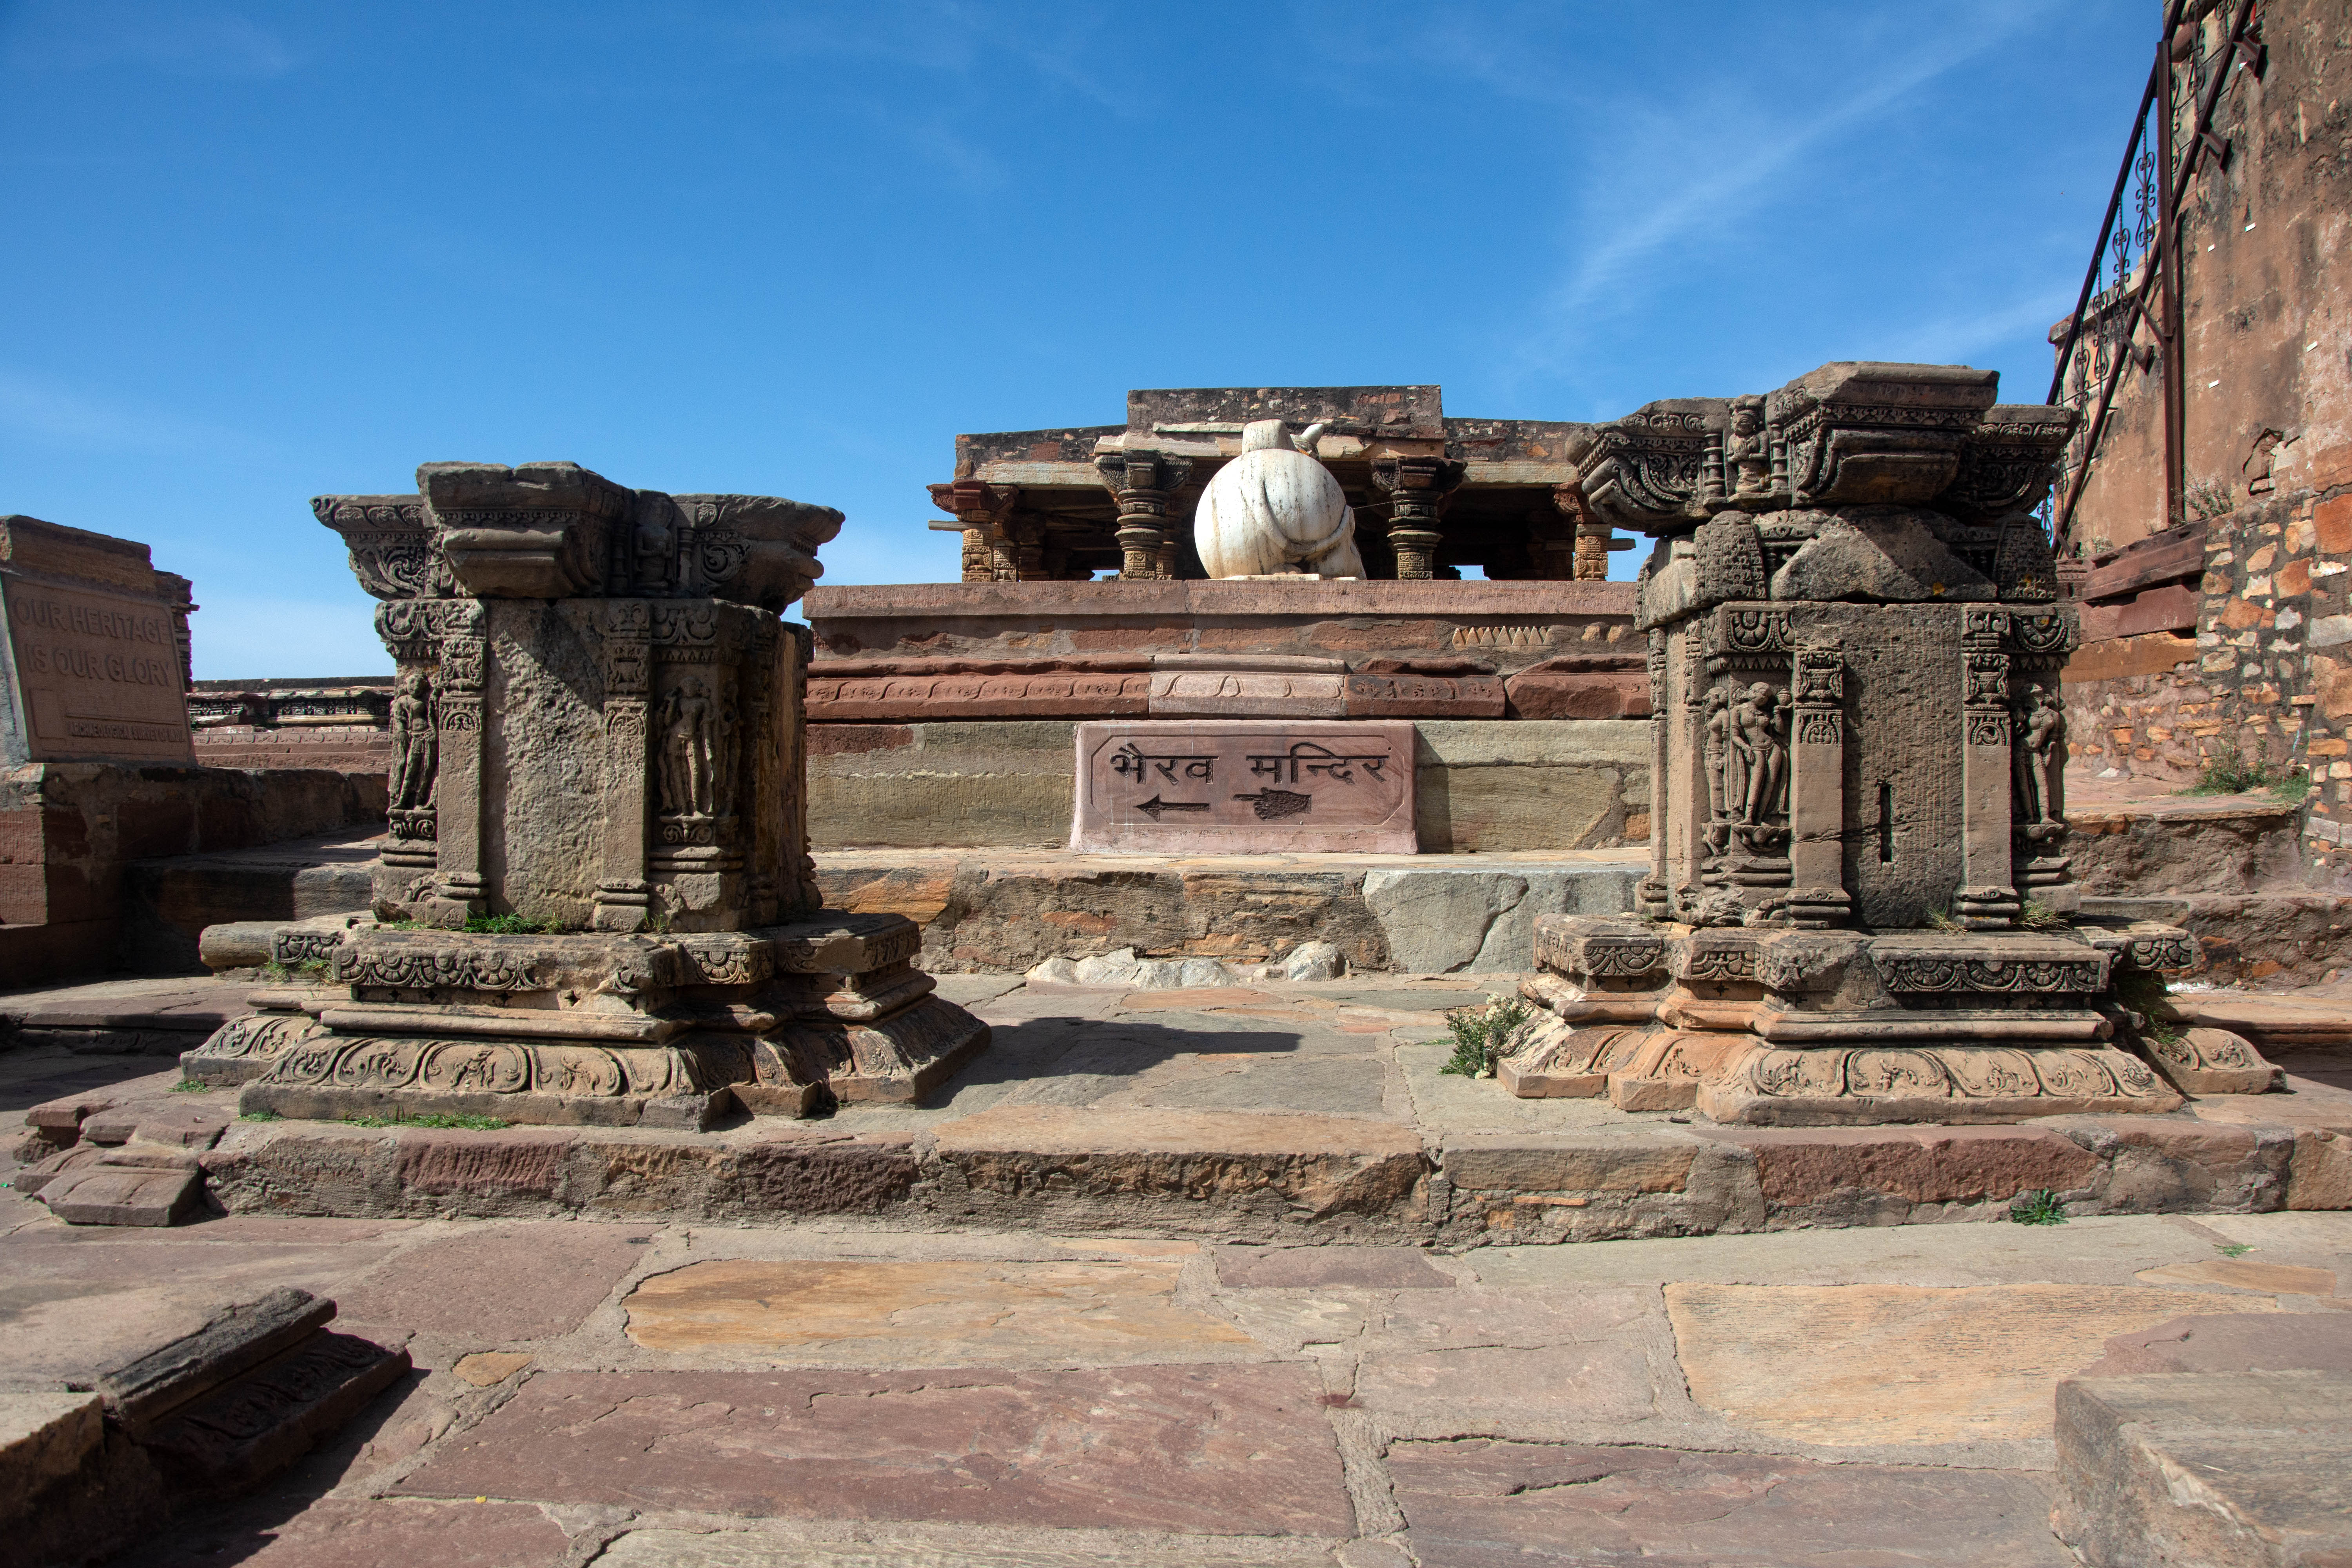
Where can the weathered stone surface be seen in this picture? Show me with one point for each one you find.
(1939, 1164)
(1481, 1503)
(2212, 1468)
(2245, 1274)
(496, 1286)
(2160, 1163)
(1478, 920)
(969, 1548)
(100, 1193)
(1209, 787)
(1326, 1164)
(2319, 1172)
(485, 1369)
(235, 1341)
(1812, 1363)
(2253, 1341)
(941, 1313)
(1561, 1364)
(1327, 1267)
(1215, 1450)
(263, 1420)
(1566, 1163)
(44, 1436)
(337, 1532)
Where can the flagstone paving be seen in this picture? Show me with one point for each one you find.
(840, 1393)
(1000, 1388)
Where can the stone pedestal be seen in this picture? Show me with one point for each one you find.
(1858, 908)
(596, 904)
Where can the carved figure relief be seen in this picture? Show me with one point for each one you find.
(1759, 748)
(416, 742)
(1714, 749)
(1745, 453)
(693, 754)
(2038, 759)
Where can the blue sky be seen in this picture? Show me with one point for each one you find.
(258, 251)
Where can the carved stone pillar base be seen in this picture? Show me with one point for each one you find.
(593, 1029)
(1779, 1026)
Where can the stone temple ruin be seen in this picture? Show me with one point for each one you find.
(1858, 907)
(595, 903)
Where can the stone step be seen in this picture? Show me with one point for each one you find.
(1246, 1173)
(2222, 1440)
(167, 904)
(2186, 844)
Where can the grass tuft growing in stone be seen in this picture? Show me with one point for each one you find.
(2040, 1206)
(512, 925)
(2229, 773)
(2233, 1249)
(190, 1086)
(2038, 916)
(1479, 1033)
(261, 1116)
(430, 1119)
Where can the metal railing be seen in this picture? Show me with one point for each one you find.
(2138, 243)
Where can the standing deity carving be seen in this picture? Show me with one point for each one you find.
(1760, 751)
(1715, 744)
(693, 749)
(415, 743)
(1746, 452)
(2039, 759)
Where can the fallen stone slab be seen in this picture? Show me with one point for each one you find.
(255, 1425)
(238, 1338)
(66, 1114)
(33, 1177)
(44, 1436)
(102, 1194)
(2213, 1467)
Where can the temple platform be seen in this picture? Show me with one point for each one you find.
(1278, 1111)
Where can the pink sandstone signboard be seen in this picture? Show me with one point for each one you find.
(94, 671)
(1244, 785)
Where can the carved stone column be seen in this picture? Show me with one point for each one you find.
(990, 552)
(1985, 899)
(1654, 895)
(1817, 895)
(457, 884)
(1594, 539)
(621, 894)
(1416, 488)
(1145, 484)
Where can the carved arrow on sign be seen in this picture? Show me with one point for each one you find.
(1155, 805)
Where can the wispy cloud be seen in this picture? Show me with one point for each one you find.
(1948, 339)
(41, 411)
(1698, 170)
(178, 38)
